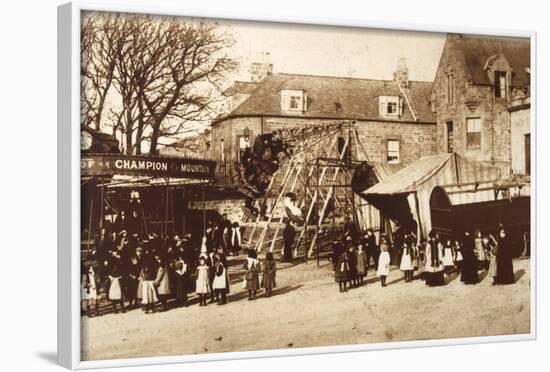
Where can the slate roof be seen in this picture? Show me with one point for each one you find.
(335, 97)
(477, 49)
(243, 87)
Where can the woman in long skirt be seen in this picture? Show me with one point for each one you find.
(490, 242)
(469, 266)
(252, 281)
(505, 266)
(269, 271)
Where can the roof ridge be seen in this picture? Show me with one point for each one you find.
(345, 77)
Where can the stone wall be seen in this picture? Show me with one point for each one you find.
(521, 125)
(231, 207)
(470, 101)
(416, 140)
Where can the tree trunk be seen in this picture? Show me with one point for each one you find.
(154, 138)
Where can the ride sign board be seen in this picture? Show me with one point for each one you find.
(143, 165)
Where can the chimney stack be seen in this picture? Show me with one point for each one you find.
(261, 69)
(401, 75)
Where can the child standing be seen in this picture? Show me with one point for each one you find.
(383, 263)
(252, 281)
(90, 289)
(361, 263)
(352, 274)
(148, 291)
(162, 282)
(341, 272)
(406, 262)
(181, 283)
(220, 284)
(458, 255)
(203, 281)
(268, 277)
(447, 259)
(115, 289)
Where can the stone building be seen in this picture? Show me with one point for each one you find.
(475, 98)
(395, 121)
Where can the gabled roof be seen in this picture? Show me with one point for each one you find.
(478, 49)
(335, 97)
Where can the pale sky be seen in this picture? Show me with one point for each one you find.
(336, 51)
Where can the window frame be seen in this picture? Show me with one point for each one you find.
(469, 133)
(239, 148)
(384, 104)
(393, 151)
(450, 88)
(449, 124)
(500, 90)
(290, 96)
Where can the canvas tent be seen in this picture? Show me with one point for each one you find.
(404, 196)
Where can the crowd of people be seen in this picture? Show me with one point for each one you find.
(128, 272)
(433, 259)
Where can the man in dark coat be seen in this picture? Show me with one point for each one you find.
(505, 267)
(289, 233)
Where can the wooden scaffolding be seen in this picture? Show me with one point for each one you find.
(319, 173)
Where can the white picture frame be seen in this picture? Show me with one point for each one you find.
(69, 186)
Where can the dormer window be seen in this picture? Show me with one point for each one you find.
(293, 100)
(390, 106)
(500, 84)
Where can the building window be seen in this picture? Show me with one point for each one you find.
(450, 140)
(473, 133)
(293, 100)
(393, 152)
(450, 88)
(222, 150)
(390, 105)
(243, 144)
(528, 154)
(500, 84)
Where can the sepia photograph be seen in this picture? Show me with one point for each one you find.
(250, 185)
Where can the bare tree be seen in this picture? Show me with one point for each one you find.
(166, 73)
(101, 41)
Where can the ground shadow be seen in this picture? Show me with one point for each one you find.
(452, 277)
(241, 295)
(396, 280)
(286, 289)
(48, 356)
(483, 275)
(519, 274)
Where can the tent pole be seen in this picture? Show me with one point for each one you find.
(90, 226)
(203, 212)
(101, 212)
(166, 211)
